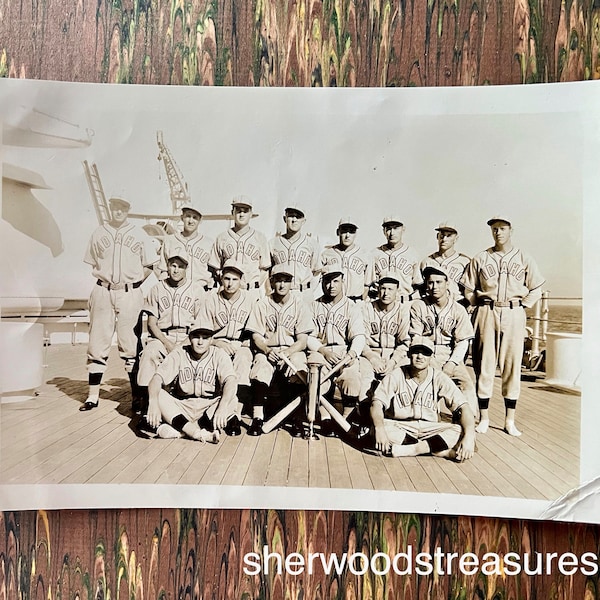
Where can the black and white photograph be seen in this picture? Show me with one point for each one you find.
(346, 297)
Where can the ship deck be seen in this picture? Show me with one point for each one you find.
(47, 440)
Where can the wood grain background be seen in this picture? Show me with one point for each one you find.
(302, 42)
(180, 554)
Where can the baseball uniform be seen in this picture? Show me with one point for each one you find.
(280, 325)
(404, 262)
(502, 286)
(354, 263)
(446, 327)
(229, 318)
(249, 248)
(386, 335)
(413, 409)
(198, 248)
(176, 309)
(300, 254)
(118, 258)
(197, 383)
(340, 327)
(454, 265)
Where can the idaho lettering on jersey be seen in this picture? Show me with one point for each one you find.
(223, 316)
(393, 263)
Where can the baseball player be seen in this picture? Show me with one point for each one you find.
(243, 244)
(406, 410)
(121, 255)
(445, 322)
(196, 246)
(172, 306)
(228, 309)
(299, 251)
(454, 263)
(501, 282)
(203, 395)
(280, 324)
(387, 337)
(351, 260)
(394, 255)
(338, 339)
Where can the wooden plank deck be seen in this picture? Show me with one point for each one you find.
(47, 440)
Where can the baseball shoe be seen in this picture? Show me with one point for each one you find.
(256, 427)
(233, 427)
(166, 432)
(88, 405)
(296, 430)
(328, 428)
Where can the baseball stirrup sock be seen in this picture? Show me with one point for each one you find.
(95, 378)
(484, 403)
(510, 403)
(437, 444)
(179, 422)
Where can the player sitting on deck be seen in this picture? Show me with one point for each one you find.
(439, 317)
(337, 341)
(280, 324)
(387, 338)
(406, 410)
(202, 384)
(172, 307)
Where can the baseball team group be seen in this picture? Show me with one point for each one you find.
(366, 345)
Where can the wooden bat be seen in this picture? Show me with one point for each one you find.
(335, 369)
(276, 419)
(335, 415)
(295, 371)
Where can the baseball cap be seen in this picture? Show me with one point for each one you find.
(233, 265)
(348, 222)
(202, 325)
(294, 208)
(499, 218)
(331, 269)
(179, 253)
(242, 201)
(389, 276)
(120, 202)
(392, 219)
(446, 226)
(421, 343)
(281, 269)
(191, 207)
(437, 270)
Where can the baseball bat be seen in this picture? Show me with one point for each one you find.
(295, 371)
(335, 415)
(338, 366)
(276, 419)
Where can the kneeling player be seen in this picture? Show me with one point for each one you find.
(203, 395)
(280, 325)
(406, 410)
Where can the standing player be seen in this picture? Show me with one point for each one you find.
(406, 410)
(280, 325)
(387, 337)
(243, 244)
(172, 306)
(454, 263)
(121, 256)
(338, 339)
(203, 395)
(351, 260)
(196, 245)
(228, 309)
(397, 256)
(298, 251)
(439, 318)
(502, 282)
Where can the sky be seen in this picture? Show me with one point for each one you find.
(428, 155)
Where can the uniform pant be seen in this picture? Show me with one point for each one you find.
(462, 379)
(262, 370)
(422, 430)
(499, 340)
(191, 408)
(112, 310)
(153, 354)
(348, 379)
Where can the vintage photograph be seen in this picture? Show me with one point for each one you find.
(352, 290)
